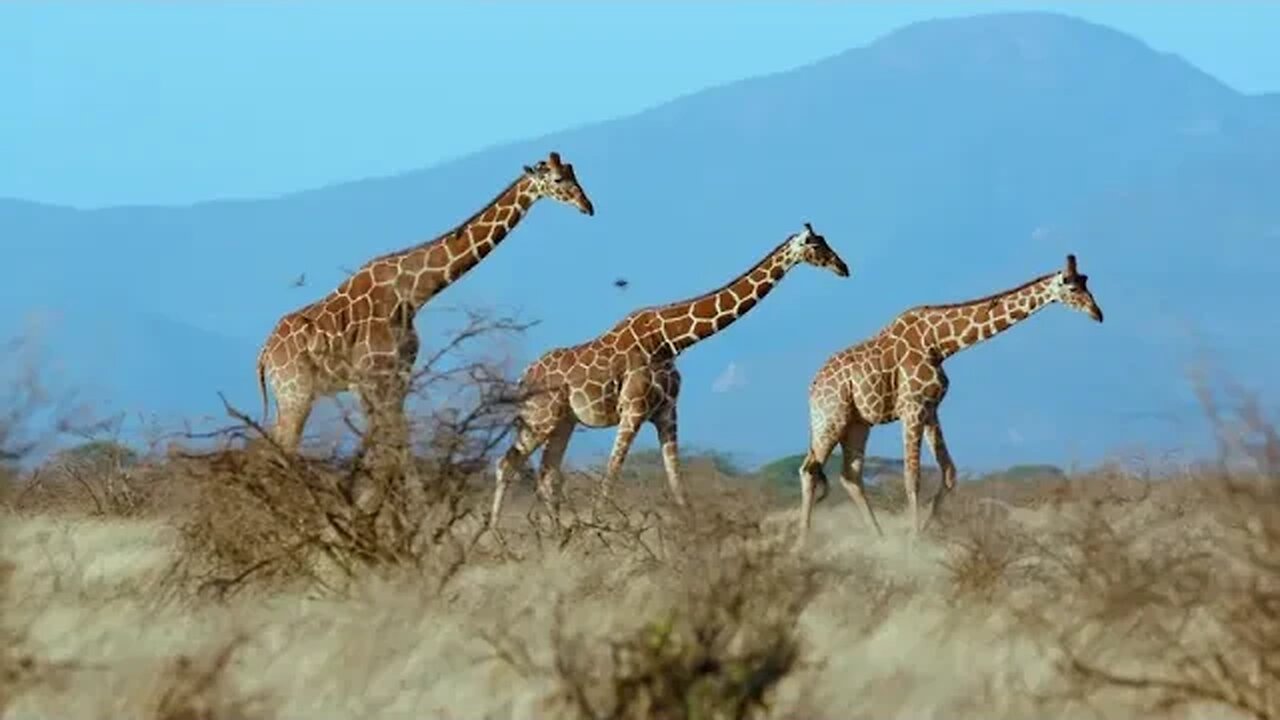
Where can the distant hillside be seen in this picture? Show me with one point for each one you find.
(786, 471)
(945, 161)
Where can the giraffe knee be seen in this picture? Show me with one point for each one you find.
(814, 478)
(511, 463)
(549, 489)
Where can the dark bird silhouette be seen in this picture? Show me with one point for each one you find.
(621, 283)
(302, 280)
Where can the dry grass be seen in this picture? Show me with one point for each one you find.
(1044, 606)
(239, 584)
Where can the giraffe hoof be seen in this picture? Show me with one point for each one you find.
(821, 488)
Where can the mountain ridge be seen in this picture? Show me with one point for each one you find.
(999, 169)
(1000, 21)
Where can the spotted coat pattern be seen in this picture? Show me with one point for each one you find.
(361, 338)
(897, 375)
(627, 376)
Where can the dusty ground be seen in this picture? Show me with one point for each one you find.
(1095, 597)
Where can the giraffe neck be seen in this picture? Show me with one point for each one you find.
(440, 262)
(963, 325)
(682, 324)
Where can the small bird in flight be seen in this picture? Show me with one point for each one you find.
(621, 283)
(302, 280)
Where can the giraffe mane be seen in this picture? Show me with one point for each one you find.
(986, 298)
(456, 228)
(690, 300)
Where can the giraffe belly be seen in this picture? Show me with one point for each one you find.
(594, 409)
(872, 402)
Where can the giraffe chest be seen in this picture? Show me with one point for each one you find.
(922, 383)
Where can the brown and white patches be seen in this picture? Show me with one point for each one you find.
(897, 375)
(365, 326)
(626, 376)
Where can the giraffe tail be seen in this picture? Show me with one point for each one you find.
(262, 384)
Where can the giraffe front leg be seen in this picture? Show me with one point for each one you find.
(387, 457)
(386, 421)
(383, 391)
(938, 446)
(666, 425)
(386, 467)
(627, 428)
(912, 434)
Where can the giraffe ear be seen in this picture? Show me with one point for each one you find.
(1071, 266)
(554, 159)
(528, 169)
(809, 227)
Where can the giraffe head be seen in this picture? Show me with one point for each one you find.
(556, 180)
(809, 247)
(1071, 288)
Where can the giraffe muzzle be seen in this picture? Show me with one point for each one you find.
(1096, 313)
(587, 208)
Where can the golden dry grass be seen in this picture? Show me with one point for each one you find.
(241, 584)
(1099, 596)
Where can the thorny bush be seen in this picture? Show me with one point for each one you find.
(263, 514)
(1196, 609)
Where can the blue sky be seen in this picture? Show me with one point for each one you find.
(123, 103)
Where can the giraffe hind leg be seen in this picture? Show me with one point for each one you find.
(813, 479)
(550, 478)
(853, 448)
(293, 407)
(512, 463)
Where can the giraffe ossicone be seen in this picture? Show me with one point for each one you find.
(897, 375)
(627, 376)
(360, 337)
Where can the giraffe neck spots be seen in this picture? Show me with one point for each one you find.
(680, 325)
(428, 269)
(952, 328)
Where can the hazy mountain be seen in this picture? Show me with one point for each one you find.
(947, 160)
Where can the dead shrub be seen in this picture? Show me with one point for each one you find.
(32, 418)
(1199, 615)
(96, 478)
(721, 640)
(26, 407)
(263, 514)
(717, 652)
(988, 553)
(202, 689)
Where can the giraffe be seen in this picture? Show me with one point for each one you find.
(897, 375)
(360, 337)
(627, 376)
